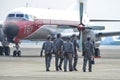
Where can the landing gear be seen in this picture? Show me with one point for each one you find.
(5, 49)
(17, 51)
(1, 51)
(97, 53)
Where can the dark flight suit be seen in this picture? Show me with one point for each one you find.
(68, 51)
(48, 47)
(75, 55)
(58, 42)
(88, 49)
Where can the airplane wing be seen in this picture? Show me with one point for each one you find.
(107, 33)
(52, 30)
(103, 20)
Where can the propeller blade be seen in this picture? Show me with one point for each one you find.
(81, 11)
(80, 40)
(81, 25)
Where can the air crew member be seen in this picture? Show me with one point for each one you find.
(58, 43)
(68, 50)
(88, 49)
(75, 55)
(48, 47)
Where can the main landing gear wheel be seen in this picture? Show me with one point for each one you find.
(7, 51)
(1, 51)
(97, 53)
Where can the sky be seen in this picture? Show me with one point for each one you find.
(7, 5)
(96, 9)
(104, 8)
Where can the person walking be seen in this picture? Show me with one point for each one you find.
(68, 50)
(88, 49)
(58, 43)
(48, 47)
(75, 55)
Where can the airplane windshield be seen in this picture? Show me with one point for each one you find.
(19, 16)
(11, 15)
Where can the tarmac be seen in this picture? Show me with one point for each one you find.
(32, 67)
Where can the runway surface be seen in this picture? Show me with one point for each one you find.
(32, 67)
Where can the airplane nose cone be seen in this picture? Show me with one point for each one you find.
(11, 30)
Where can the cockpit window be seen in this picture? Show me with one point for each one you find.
(20, 15)
(11, 15)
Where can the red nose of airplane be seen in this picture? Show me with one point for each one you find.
(11, 30)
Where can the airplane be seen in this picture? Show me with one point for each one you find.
(27, 23)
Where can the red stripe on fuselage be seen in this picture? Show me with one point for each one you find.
(25, 27)
(28, 27)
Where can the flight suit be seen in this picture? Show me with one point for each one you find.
(48, 47)
(88, 49)
(58, 42)
(75, 55)
(68, 50)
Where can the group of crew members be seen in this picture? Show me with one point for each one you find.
(66, 51)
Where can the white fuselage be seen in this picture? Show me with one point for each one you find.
(68, 16)
(49, 17)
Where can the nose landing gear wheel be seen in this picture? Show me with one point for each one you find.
(17, 51)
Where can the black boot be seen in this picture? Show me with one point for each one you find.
(84, 70)
(75, 69)
(60, 68)
(47, 70)
(57, 69)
